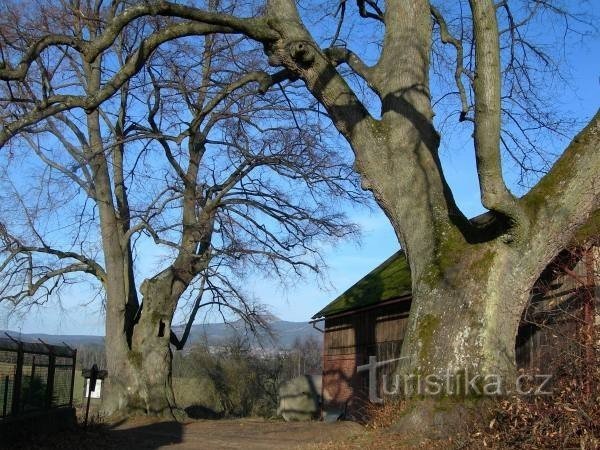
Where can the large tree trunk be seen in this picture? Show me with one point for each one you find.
(140, 380)
(471, 279)
(137, 340)
(121, 372)
(464, 321)
(151, 353)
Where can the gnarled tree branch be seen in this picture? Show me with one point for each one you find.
(568, 196)
(448, 38)
(487, 85)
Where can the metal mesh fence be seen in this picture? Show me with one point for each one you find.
(34, 376)
(63, 382)
(8, 365)
(34, 382)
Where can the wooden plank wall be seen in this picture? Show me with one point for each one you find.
(349, 341)
(547, 341)
(550, 336)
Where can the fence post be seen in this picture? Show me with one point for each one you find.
(74, 360)
(16, 399)
(50, 380)
(31, 383)
(4, 403)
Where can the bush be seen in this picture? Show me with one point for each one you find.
(235, 379)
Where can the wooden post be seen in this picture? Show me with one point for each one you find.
(87, 406)
(74, 361)
(16, 400)
(4, 403)
(31, 378)
(589, 319)
(50, 380)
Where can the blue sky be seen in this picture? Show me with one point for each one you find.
(347, 262)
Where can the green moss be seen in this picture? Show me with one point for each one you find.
(548, 185)
(387, 281)
(590, 229)
(135, 358)
(450, 254)
(452, 246)
(426, 328)
(379, 129)
(481, 266)
(456, 258)
(564, 169)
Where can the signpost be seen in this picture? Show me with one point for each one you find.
(92, 376)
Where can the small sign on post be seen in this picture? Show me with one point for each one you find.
(93, 383)
(93, 392)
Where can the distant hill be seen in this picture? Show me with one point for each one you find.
(284, 334)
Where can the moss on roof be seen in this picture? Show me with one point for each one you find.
(391, 279)
(387, 281)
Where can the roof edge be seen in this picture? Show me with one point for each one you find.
(389, 301)
(381, 266)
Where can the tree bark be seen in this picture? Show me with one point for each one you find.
(141, 380)
(470, 280)
(465, 319)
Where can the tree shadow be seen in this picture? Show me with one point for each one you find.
(484, 228)
(149, 436)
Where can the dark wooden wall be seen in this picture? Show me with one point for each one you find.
(548, 340)
(349, 341)
(551, 337)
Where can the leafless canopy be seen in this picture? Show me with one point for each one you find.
(225, 130)
(189, 153)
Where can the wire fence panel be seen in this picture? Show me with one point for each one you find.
(63, 382)
(6, 386)
(34, 382)
(8, 365)
(34, 376)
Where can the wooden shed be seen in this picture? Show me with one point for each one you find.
(370, 318)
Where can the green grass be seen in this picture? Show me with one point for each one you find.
(78, 389)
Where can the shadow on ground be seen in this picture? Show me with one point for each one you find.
(202, 412)
(148, 436)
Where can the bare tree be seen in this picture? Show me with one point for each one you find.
(185, 156)
(471, 278)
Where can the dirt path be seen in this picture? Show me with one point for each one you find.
(149, 434)
(247, 434)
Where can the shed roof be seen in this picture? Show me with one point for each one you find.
(39, 348)
(389, 280)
